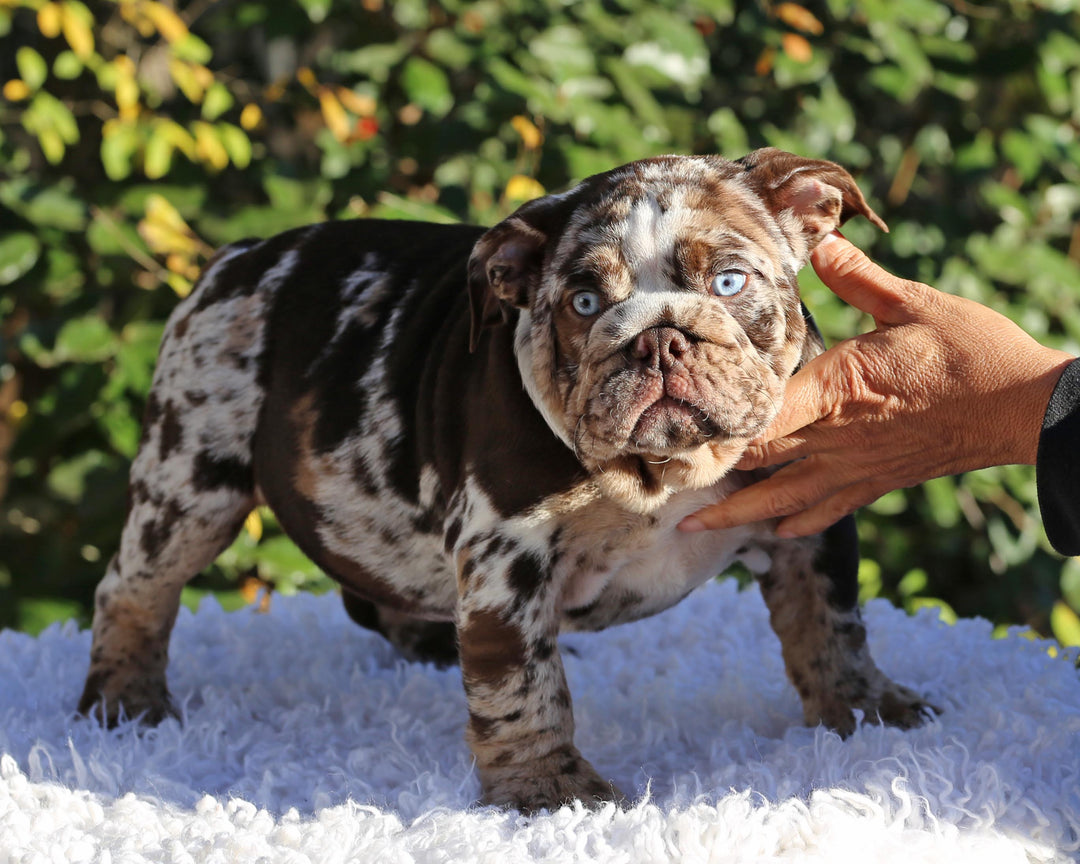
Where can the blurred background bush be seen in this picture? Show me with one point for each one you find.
(137, 135)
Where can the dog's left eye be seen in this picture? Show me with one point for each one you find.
(586, 303)
(729, 283)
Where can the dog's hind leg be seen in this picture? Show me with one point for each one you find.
(191, 487)
(418, 640)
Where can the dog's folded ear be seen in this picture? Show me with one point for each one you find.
(808, 196)
(505, 262)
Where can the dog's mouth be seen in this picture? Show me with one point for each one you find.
(672, 423)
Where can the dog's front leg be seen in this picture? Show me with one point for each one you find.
(811, 590)
(521, 722)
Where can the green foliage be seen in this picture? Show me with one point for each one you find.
(135, 136)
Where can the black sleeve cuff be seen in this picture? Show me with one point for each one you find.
(1057, 466)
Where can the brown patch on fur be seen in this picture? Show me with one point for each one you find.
(491, 648)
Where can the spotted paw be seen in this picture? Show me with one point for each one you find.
(548, 783)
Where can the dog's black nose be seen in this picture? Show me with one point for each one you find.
(660, 348)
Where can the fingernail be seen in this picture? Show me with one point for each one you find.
(691, 524)
(830, 237)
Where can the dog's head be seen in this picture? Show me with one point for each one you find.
(657, 309)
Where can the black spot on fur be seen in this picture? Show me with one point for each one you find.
(452, 534)
(527, 574)
(838, 558)
(172, 431)
(151, 415)
(195, 397)
(156, 534)
(544, 649)
(215, 472)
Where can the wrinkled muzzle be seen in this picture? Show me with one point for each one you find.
(668, 389)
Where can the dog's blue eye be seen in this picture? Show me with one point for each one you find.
(586, 303)
(729, 283)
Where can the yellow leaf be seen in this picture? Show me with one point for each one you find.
(187, 80)
(251, 116)
(1065, 624)
(17, 411)
(522, 188)
(203, 75)
(531, 137)
(168, 23)
(127, 96)
(48, 20)
(164, 229)
(797, 48)
(360, 105)
(334, 114)
(16, 90)
(800, 18)
(208, 146)
(254, 526)
(76, 24)
(179, 137)
(306, 77)
(180, 286)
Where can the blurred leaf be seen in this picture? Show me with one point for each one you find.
(68, 479)
(800, 18)
(237, 145)
(1065, 624)
(165, 230)
(32, 68)
(52, 207)
(217, 101)
(84, 340)
(18, 253)
(67, 65)
(427, 85)
(77, 25)
(192, 49)
(120, 143)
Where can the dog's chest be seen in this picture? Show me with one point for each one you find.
(616, 566)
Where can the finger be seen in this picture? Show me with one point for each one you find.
(857, 280)
(786, 449)
(817, 518)
(790, 490)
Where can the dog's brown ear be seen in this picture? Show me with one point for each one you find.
(816, 195)
(506, 261)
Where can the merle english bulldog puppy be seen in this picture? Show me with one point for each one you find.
(489, 436)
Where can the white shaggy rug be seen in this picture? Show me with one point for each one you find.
(305, 739)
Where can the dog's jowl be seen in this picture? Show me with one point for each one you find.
(488, 437)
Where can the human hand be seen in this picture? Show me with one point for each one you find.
(942, 385)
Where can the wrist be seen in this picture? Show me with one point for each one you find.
(1046, 369)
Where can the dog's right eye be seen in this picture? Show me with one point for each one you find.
(586, 303)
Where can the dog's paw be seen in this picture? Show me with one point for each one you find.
(109, 697)
(901, 707)
(888, 703)
(548, 783)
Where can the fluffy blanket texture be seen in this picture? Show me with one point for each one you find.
(306, 739)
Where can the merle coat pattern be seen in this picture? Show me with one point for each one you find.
(488, 437)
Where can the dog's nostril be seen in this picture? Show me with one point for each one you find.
(658, 346)
(644, 346)
(676, 344)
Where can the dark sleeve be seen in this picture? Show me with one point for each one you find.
(1057, 469)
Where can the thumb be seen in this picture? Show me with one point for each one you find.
(857, 280)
